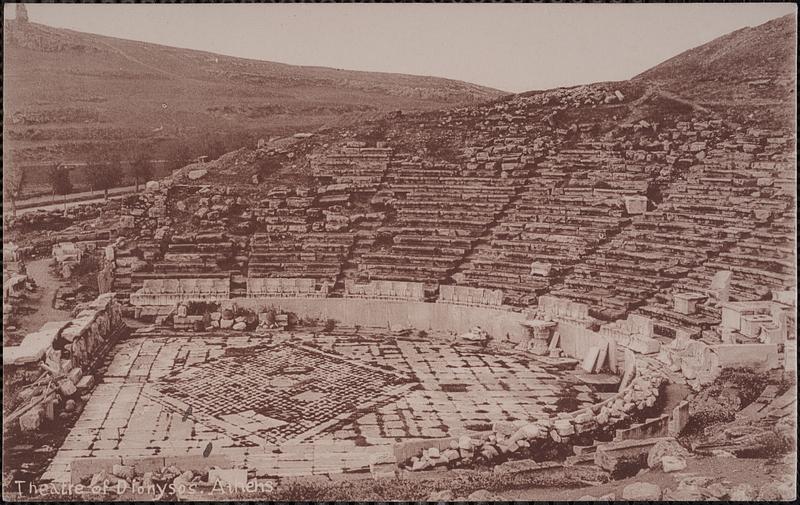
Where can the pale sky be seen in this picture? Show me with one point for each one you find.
(511, 47)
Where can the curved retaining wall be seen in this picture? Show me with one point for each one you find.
(641, 391)
(395, 315)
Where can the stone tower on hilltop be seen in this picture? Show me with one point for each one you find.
(22, 13)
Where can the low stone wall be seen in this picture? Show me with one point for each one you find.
(700, 363)
(51, 366)
(394, 315)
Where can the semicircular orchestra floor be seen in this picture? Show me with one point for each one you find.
(302, 403)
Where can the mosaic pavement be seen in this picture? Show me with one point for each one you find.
(295, 404)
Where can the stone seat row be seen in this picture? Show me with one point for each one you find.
(415, 213)
(415, 273)
(510, 284)
(447, 203)
(297, 255)
(298, 269)
(400, 231)
(390, 259)
(411, 250)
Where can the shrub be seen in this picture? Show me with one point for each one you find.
(292, 319)
(271, 313)
(749, 383)
(330, 325)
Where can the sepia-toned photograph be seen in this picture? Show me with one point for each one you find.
(399, 252)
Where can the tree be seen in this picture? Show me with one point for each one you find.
(58, 175)
(141, 169)
(14, 179)
(102, 176)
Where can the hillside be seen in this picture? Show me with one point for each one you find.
(67, 93)
(751, 66)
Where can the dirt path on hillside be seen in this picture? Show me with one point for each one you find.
(42, 300)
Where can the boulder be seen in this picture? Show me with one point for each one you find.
(528, 432)
(236, 477)
(66, 387)
(641, 491)
(450, 454)
(480, 495)
(613, 456)
(564, 427)
(672, 463)
(85, 384)
(717, 491)
(743, 492)
(197, 173)
(123, 472)
(75, 375)
(98, 478)
(776, 491)
(240, 326)
(665, 447)
(226, 323)
(465, 443)
(31, 420)
(437, 496)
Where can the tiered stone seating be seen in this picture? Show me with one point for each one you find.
(360, 168)
(310, 255)
(559, 218)
(197, 253)
(648, 257)
(731, 189)
(440, 211)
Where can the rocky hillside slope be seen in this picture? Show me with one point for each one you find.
(751, 66)
(68, 94)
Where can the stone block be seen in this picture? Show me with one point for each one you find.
(144, 464)
(658, 427)
(644, 345)
(81, 468)
(31, 420)
(235, 477)
(608, 456)
(678, 418)
(405, 450)
(564, 427)
(760, 357)
(75, 375)
(66, 387)
(590, 359)
(197, 173)
(198, 463)
(383, 466)
(635, 205)
(641, 492)
(85, 384)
